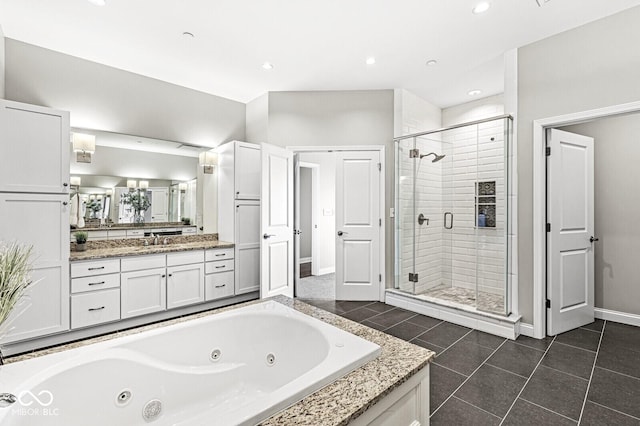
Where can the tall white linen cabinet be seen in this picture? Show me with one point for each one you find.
(34, 210)
(239, 173)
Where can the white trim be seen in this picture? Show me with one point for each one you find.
(383, 154)
(526, 329)
(539, 198)
(315, 179)
(507, 327)
(304, 260)
(325, 271)
(616, 316)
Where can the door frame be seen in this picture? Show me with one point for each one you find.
(382, 150)
(540, 127)
(315, 169)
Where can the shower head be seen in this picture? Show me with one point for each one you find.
(436, 156)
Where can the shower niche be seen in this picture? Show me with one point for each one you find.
(457, 178)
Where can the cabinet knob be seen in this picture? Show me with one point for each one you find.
(164, 276)
(170, 275)
(65, 184)
(64, 203)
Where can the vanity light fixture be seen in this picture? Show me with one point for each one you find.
(208, 160)
(132, 184)
(144, 185)
(481, 7)
(75, 180)
(182, 187)
(109, 192)
(92, 197)
(83, 145)
(99, 197)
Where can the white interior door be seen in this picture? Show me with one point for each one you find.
(358, 225)
(570, 213)
(296, 219)
(276, 211)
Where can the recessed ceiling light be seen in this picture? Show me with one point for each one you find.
(188, 34)
(481, 7)
(431, 62)
(98, 2)
(371, 60)
(474, 92)
(267, 66)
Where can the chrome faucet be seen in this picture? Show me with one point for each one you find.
(6, 399)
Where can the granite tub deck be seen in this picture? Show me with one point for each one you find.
(135, 247)
(337, 403)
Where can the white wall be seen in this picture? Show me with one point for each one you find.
(109, 161)
(592, 66)
(326, 230)
(257, 125)
(306, 223)
(2, 63)
(105, 98)
(617, 209)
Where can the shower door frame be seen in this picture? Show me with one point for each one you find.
(510, 251)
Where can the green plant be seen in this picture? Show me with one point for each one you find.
(94, 206)
(15, 268)
(81, 237)
(186, 220)
(138, 200)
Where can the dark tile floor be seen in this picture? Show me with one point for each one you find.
(305, 270)
(587, 376)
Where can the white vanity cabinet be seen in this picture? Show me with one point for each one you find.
(239, 165)
(143, 285)
(185, 278)
(34, 149)
(34, 210)
(95, 292)
(220, 276)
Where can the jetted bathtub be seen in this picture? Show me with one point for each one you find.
(236, 367)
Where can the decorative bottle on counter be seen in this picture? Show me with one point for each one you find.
(482, 219)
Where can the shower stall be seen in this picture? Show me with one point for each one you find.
(452, 213)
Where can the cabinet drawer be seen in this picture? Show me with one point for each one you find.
(95, 267)
(185, 258)
(219, 266)
(98, 282)
(133, 233)
(117, 234)
(219, 254)
(143, 262)
(95, 307)
(218, 286)
(189, 231)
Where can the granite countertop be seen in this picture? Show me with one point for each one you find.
(135, 247)
(337, 403)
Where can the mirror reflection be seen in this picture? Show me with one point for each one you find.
(133, 180)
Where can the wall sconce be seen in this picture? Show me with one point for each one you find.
(109, 192)
(208, 160)
(99, 197)
(144, 185)
(182, 187)
(83, 145)
(132, 184)
(75, 180)
(92, 197)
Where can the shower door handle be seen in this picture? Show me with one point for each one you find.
(450, 215)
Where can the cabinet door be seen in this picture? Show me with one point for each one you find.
(34, 148)
(143, 292)
(247, 250)
(42, 221)
(185, 285)
(159, 205)
(247, 171)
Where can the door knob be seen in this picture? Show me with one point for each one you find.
(592, 239)
(341, 233)
(267, 236)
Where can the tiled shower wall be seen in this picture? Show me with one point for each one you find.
(456, 257)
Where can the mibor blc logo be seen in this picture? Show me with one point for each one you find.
(35, 404)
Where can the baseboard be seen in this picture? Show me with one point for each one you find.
(325, 271)
(616, 316)
(526, 329)
(304, 260)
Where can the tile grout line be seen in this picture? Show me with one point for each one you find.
(619, 373)
(475, 406)
(577, 347)
(470, 375)
(548, 409)
(448, 347)
(528, 380)
(568, 374)
(593, 367)
(613, 409)
(499, 368)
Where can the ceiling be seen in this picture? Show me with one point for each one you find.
(313, 45)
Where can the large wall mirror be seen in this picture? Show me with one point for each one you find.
(131, 180)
